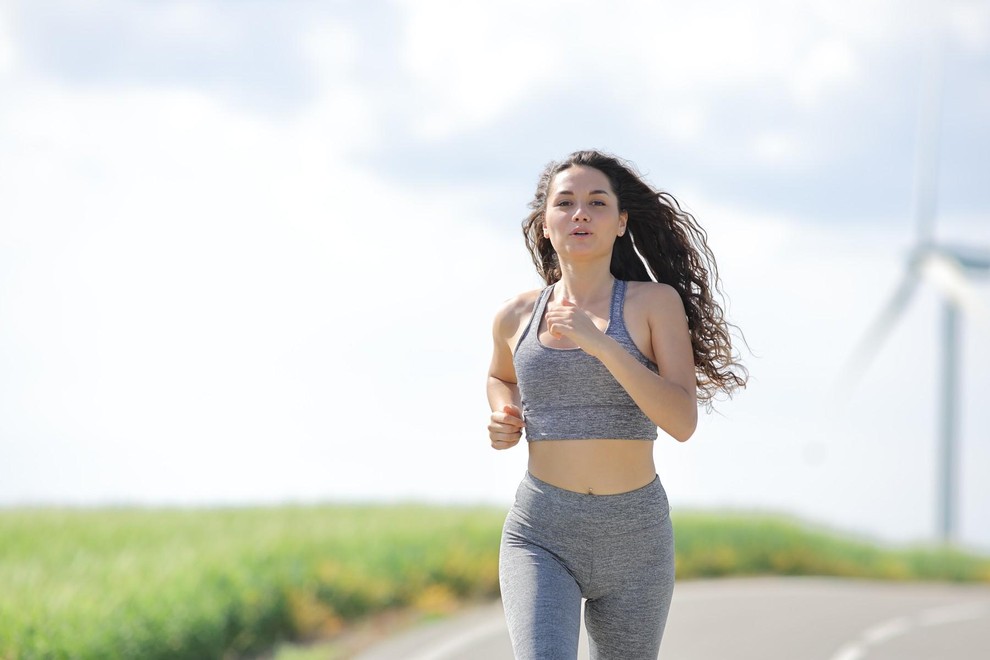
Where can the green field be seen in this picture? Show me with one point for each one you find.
(235, 582)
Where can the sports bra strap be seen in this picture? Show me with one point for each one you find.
(615, 321)
(538, 311)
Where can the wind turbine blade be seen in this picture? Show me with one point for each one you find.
(948, 276)
(970, 257)
(869, 345)
(928, 129)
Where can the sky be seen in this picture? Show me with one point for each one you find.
(250, 252)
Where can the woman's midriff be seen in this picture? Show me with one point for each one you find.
(599, 467)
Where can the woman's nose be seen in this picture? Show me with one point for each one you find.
(580, 214)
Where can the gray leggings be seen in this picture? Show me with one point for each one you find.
(617, 551)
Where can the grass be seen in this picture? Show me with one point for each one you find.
(722, 544)
(237, 582)
(210, 583)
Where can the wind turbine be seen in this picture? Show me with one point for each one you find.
(947, 268)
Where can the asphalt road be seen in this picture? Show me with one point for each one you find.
(762, 619)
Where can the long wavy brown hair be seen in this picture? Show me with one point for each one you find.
(674, 250)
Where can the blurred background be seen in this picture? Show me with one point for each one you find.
(250, 252)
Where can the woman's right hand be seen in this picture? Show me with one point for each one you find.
(505, 427)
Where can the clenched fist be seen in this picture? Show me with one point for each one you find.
(505, 427)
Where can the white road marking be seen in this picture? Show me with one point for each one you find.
(953, 613)
(886, 630)
(891, 628)
(459, 642)
(849, 652)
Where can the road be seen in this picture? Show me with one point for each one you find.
(762, 619)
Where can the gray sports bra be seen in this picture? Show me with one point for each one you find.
(568, 394)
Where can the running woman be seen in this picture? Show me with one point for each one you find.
(625, 338)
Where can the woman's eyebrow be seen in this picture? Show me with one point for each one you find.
(593, 192)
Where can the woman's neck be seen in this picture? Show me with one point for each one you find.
(585, 286)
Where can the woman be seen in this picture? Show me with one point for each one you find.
(590, 367)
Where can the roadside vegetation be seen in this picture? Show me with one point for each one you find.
(237, 582)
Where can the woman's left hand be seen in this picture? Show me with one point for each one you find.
(565, 319)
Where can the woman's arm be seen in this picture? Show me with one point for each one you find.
(506, 423)
(670, 400)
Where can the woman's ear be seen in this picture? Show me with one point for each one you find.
(623, 221)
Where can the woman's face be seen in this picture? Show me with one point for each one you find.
(582, 216)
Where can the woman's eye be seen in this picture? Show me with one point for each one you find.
(598, 202)
(564, 202)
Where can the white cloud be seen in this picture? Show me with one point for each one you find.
(186, 18)
(333, 49)
(969, 22)
(471, 61)
(7, 58)
(830, 64)
(685, 123)
(778, 148)
(181, 274)
(669, 62)
(641, 51)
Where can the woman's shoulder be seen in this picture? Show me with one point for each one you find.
(512, 311)
(655, 296)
